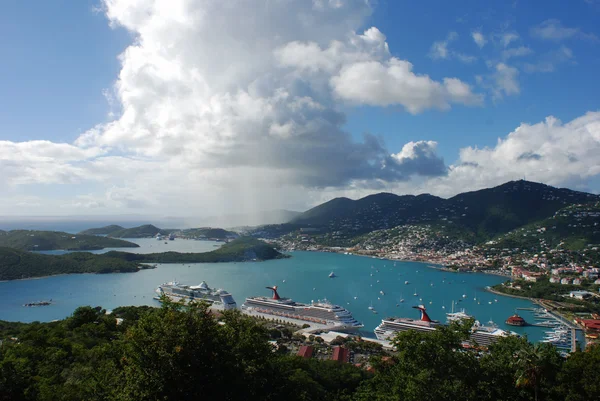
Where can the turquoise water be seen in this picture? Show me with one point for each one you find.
(306, 279)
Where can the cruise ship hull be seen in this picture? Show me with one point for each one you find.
(217, 299)
(322, 314)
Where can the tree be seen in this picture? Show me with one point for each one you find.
(579, 378)
(535, 364)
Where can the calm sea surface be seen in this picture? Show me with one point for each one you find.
(304, 277)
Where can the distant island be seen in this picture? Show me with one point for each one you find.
(243, 249)
(33, 240)
(115, 231)
(149, 231)
(19, 264)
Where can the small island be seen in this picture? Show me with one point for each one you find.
(19, 264)
(243, 249)
(34, 240)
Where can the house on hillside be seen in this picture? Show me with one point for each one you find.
(565, 280)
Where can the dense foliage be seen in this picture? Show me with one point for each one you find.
(32, 240)
(239, 250)
(183, 353)
(17, 264)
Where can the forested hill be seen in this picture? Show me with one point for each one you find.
(17, 264)
(32, 240)
(103, 230)
(144, 231)
(486, 213)
(243, 249)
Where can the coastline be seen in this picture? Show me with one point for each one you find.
(430, 263)
(493, 291)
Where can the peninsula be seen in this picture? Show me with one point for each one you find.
(243, 249)
(19, 264)
(33, 240)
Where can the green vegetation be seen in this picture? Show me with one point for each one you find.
(181, 352)
(17, 264)
(145, 231)
(478, 215)
(573, 228)
(102, 230)
(31, 240)
(544, 289)
(208, 232)
(242, 249)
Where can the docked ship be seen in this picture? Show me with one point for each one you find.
(217, 298)
(482, 335)
(391, 325)
(321, 312)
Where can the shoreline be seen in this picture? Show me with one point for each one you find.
(430, 263)
(493, 291)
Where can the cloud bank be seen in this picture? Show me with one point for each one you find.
(241, 105)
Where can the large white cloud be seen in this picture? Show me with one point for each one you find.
(240, 105)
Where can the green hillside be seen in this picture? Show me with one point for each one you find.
(102, 230)
(31, 240)
(482, 214)
(240, 250)
(572, 228)
(145, 231)
(18, 264)
(208, 232)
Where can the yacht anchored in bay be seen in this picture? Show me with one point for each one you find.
(321, 312)
(217, 298)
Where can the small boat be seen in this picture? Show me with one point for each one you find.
(415, 294)
(371, 306)
(314, 288)
(283, 281)
(406, 282)
(355, 297)
(381, 292)
(377, 280)
(332, 275)
(464, 295)
(490, 302)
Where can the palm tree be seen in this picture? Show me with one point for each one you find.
(532, 363)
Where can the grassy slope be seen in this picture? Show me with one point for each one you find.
(49, 240)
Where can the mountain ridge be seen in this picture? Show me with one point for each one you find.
(487, 212)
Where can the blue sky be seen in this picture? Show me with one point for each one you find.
(66, 79)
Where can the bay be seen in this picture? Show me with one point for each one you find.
(303, 277)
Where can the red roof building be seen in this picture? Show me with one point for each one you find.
(516, 320)
(306, 351)
(341, 354)
(591, 324)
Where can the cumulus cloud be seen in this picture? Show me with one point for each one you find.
(553, 29)
(394, 82)
(479, 39)
(237, 97)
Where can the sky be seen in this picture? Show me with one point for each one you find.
(208, 107)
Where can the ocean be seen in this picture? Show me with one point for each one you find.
(303, 277)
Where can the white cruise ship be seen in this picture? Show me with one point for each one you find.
(391, 325)
(483, 335)
(217, 298)
(321, 312)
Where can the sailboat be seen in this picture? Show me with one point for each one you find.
(371, 307)
(415, 294)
